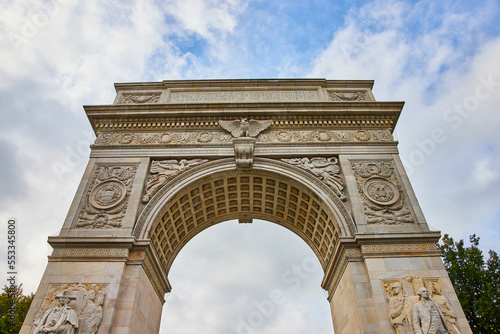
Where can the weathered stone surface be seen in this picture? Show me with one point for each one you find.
(175, 157)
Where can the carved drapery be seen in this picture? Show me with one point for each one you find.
(383, 200)
(402, 295)
(107, 197)
(86, 300)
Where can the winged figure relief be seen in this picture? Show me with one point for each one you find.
(245, 128)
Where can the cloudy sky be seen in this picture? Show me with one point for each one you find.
(441, 57)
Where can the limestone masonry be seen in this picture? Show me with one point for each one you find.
(173, 158)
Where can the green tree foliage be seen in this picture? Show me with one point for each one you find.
(476, 281)
(13, 309)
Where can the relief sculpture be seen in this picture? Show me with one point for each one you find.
(163, 171)
(327, 169)
(415, 309)
(384, 202)
(70, 309)
(216, 137)
(106, 200)
(245, 128)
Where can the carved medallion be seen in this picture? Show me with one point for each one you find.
(107, 198)
(381, 191)
(383, 199)
(108, 194)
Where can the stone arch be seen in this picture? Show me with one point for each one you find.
(217, 192)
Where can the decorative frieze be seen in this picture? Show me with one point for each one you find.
(107, 197)
(383, 199)
(242, 96)
(326, 169)
(165, 170)
(217, 137)
(399, 249)
(410, 297)
(75, 308)
(90, 252)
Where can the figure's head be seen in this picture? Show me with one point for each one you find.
(91, 294)
(423, 293)
(65, 297)
(396, 288)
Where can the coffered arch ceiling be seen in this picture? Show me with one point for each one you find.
(217, 192)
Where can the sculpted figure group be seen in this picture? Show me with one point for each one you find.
(83, 316)
(421, 314)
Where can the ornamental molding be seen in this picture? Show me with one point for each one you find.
(210, 123)
(383, 198)
(90, 252)
(218, 137)
(401, 249)
(106, 199)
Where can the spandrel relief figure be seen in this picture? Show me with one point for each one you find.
(326, 169)
(400, 309)
(427, 316)
(91, 314)
(444, 304)
(163, 171)
(60, 319)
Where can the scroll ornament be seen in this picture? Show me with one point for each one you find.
(71, 309)
(165, 170)
(326, 169)
(106, 200)
(383, 200)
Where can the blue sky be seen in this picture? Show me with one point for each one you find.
(440, 57)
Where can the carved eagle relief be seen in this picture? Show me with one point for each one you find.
(245, 128)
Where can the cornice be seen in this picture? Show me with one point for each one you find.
(244, 83)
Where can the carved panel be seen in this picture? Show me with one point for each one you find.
(140, 98)
(90, 252)
(106, 200)
(326, 169)
(244, 96)
(83, 314)
(270, 136)
(348, 95)
(163, 171)
(402, 298)
(383, 199)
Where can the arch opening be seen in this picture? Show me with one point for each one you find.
(257, 278)
(257, 194)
